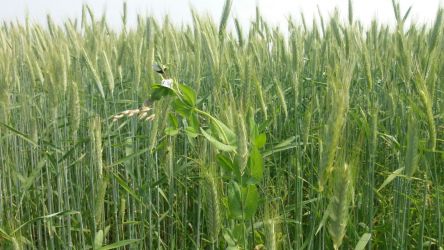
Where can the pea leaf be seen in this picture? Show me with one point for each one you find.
(229, 239)
(239, 232)
(260, 140)
(159, 91)
(255, 165)
(173, 121)
(218, 144)
(171, 131)
(225, 162)
(250, 201)
(191, 132)
(173, 128)
(182, 108)
(234, 201)
(223, 132)
(187, 94)
(193, 125)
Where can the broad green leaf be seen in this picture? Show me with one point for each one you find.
(234, 200)
(239, 232)
(263, 126)
(171, 131)
(192, 127)
(193, 121)
(260, 140)
(225, 162)
(223, 132)
(229, 238)
(252, 123)
(182, 108)
(173, 121)
(363, 241)
(119, 244)
(191, 132)
(159, 91)
(219, 145)
(255, 165)
(250, 201)
(188, 95)
(391, 177)
(191, 141)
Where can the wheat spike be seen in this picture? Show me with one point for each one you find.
(339, 204)
(213, 207)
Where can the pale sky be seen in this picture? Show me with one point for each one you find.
(274, 11)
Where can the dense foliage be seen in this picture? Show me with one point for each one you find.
(329, 137)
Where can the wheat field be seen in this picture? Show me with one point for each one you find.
(328, 137)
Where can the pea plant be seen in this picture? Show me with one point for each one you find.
(242, 190)
(242, 195)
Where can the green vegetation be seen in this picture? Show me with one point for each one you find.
(329, 138)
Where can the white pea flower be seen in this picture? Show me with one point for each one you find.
(167, 83)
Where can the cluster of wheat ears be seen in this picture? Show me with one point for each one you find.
(347, 152)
